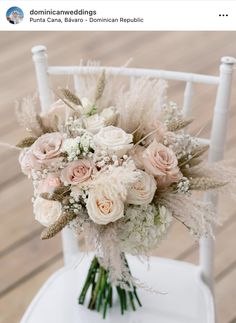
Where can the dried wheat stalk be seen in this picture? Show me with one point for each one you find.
(100, 86)
(52, 196)
(67, 102)
(179, 124)
(42, 126)
(205, 183)
(195, 153)
(62, 190)
(56, 227)
(71, 96)
(26, 142)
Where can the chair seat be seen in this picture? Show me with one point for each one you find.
(186, 298)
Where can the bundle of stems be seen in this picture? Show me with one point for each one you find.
(102, 290)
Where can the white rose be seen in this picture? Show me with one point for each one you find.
(113, 140)
(104, 205)
(110, 115)
(46, 212)
(142, 191)
(94, 123)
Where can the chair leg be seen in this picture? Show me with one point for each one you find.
(70, 246)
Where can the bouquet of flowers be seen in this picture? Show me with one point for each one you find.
(115, 163)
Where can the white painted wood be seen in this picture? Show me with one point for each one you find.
(76, 83)
(204, 141)
(136, 72)
(186, 300)
(69, 241)
(187, 99)
(216, 152)
(70, 246)
(41, 69)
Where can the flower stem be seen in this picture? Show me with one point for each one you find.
(131, 298)
(96, 289)
(110, 299)
(125, 299)
(136, 296)
(121, 299)
(107, 300)
(102, 291)
(89, 280)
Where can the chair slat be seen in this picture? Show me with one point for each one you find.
(216, 153)
(137, 72)
(41, 66)
(187, 111)
(76, 83)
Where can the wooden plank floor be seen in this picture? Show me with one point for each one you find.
(25, 261)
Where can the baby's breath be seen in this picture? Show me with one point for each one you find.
(81, 146)
(183, 186)
(144, 227)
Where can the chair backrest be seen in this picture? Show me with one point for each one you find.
(216, 141)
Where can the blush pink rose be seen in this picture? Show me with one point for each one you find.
(162, 163)
(137, 156)
(159, 130)
(58, 112)
(174, 176)
(77, 172)
(47, 146)
(28, 162)
(49, 184)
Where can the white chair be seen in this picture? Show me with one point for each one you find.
(189, 288)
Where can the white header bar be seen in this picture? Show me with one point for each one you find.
(117, 15)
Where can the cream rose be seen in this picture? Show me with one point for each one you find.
(162, 163)
(49, 184)
(113, 140)
(77, 172)
(94, 123)
(47, 146)
(104, 205)
(46, 212)
(142, 191)
(109, 115)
